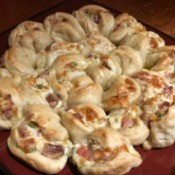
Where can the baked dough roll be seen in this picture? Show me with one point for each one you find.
(125, 25)
(127, 121)
(11, 102)
(20, 61)
(63, 26)
(6, 73)
(128, 59)
(40, 140)
(102, 67)
(69, 67)
(156, 93)
(162, 61)
(81, 119)
(69, 62)
(46, 57)
(59, 89)
(30, 35)
(122, 91)
(37, 90)
(95, 43)
(105, 151)
(95, 18)
(91, 93)
(162, 130)
(144, 42)
(81, 80)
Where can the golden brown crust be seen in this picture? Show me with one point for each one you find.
(123, 91)
(63, 26)
(161, 131)
(81, 119)
(11, 103)
(20, 61)
(85, 94)
(30, 35)
(127, 121)
(95, 18)
(125, 25)
(105, 151)
(144, 42)
(40, 140)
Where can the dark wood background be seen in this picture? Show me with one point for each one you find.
(157, 13)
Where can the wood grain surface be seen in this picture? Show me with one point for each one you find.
(158, 13)
(13, 12)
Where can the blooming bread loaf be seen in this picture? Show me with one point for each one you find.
(87, 86)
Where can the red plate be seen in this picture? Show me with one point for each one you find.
(155, 162)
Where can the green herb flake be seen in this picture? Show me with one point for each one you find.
(32, 149)
(39, 86)
(33, 124)
(71, 152)
(159, 115)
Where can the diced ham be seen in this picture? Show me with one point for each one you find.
(84, 152)
(23, 131)
(68, 108)
(52, 151)
(8, 114)
(53, 100)
(28, 145)
(43, 73)
(105, 64)
(171, 54)
(36, 28)
(96, 18)
(164, 106)
(79, 117)
(169, 75)
(168, 91)
(153, 43)
(7, 107)
(127, 122)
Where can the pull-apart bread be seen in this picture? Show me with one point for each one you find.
(87, 86)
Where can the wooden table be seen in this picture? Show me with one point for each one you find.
(159, 14)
